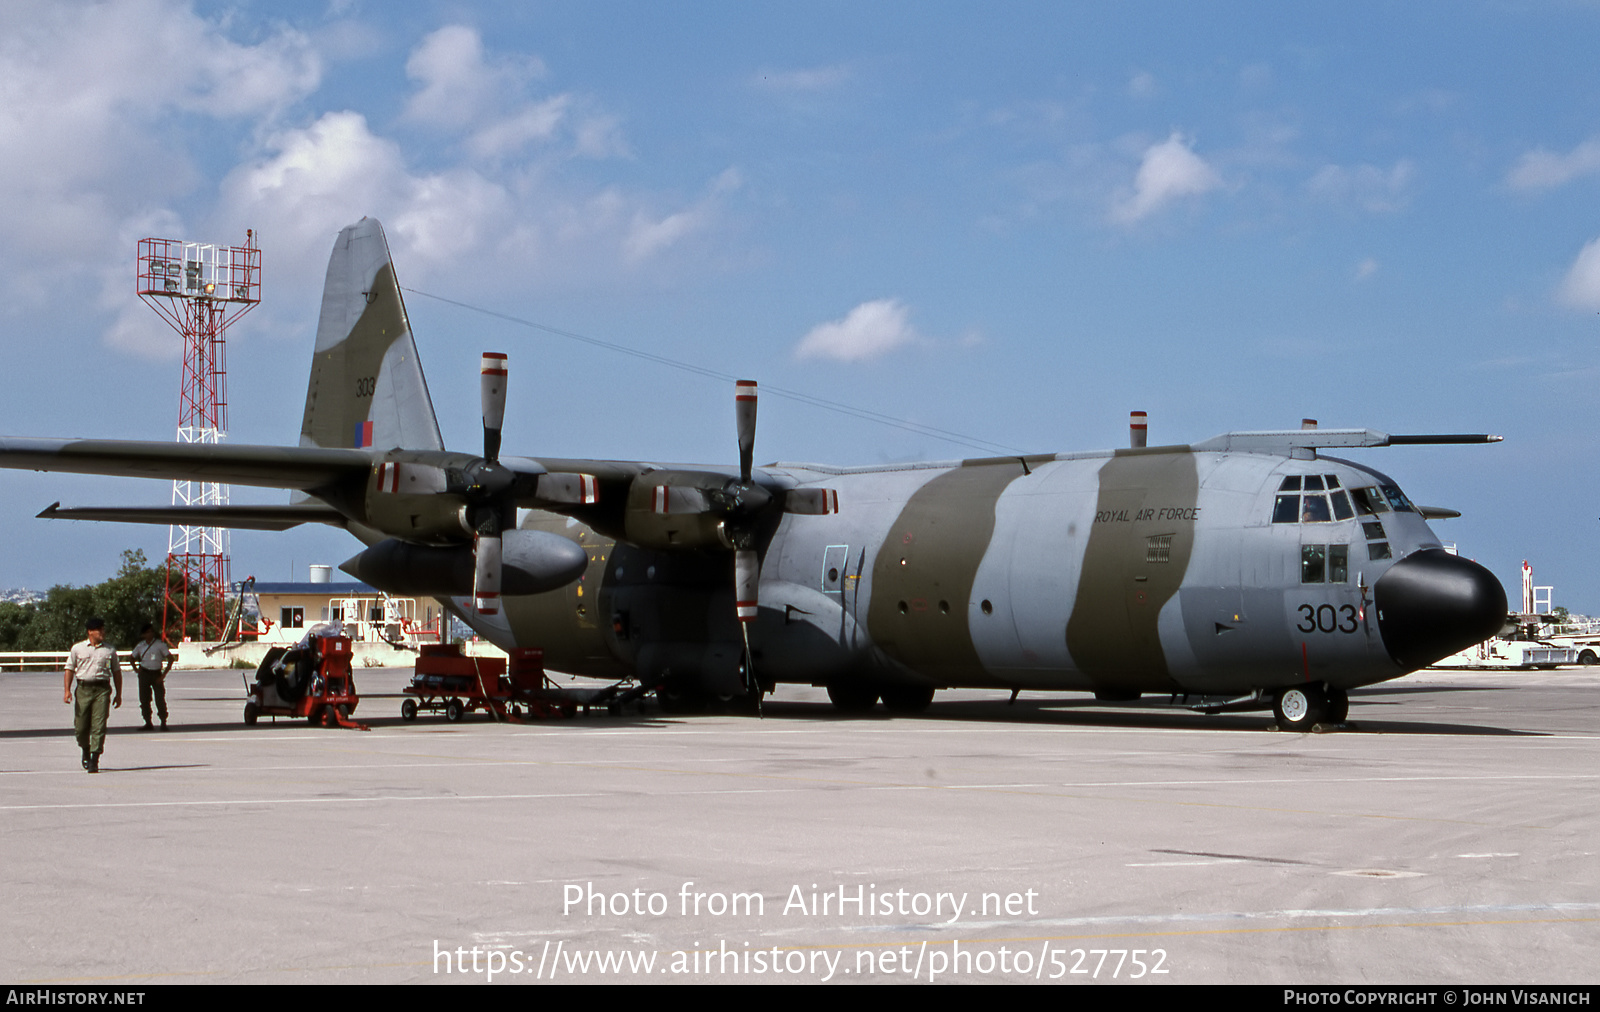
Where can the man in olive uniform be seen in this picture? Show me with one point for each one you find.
(93, 665)
(152, 659)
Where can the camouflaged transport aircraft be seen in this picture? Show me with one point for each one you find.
(1248, 571)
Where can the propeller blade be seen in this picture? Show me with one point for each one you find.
(486, 574)
(746, 584)
(811, 501)
(746, 593)
(494, 402)
(744, 411)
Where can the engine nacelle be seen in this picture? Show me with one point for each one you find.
(532, 562)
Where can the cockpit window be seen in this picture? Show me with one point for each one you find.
(1314, 509)
(1369, 501)
(1317, 507)
(1398, 500)
(1341, 506)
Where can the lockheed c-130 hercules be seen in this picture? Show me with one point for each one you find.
(1247, 571)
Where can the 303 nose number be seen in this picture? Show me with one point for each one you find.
(1327, 618)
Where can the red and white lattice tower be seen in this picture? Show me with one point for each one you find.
(200, 289)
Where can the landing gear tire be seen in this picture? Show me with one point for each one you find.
(408, 710)
(454, 711)
(1299, 707)
(1338, 706)
(251, 713)
(907, 699)
(852, 698)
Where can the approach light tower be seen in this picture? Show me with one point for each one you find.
(201, 290)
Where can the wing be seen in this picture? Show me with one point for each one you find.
(296, 467)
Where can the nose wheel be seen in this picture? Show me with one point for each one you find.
(1299, 707)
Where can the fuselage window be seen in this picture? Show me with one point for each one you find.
(1313, 563)
(1324, 563)
(1314, 510)
(1286, 510)
(1313, 483)
(1338, 563)
(1378, 550)
(1290, 484)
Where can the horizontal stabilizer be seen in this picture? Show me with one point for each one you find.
(256, 518)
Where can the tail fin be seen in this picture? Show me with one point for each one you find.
(367, 387)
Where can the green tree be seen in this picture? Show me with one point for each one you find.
(126, 601)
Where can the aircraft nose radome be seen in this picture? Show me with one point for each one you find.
(1432, 603)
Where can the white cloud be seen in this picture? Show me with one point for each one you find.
(1366, 186)
(1143, 85)
(1541, 169)
(89, 92)
(486, 100)
(1366, 269)
(458, 86)
(868, 331)
(1581, 287)
(1169, 172)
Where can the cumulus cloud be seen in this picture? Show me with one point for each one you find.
(1366, 186)
(463, 90)
(1541, 169)
(87, 99)
(870, 330)
(1168, 172)
(1581, 287)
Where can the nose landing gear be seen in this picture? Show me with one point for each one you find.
(1300, 707)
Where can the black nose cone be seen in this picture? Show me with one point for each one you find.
(1432, 603)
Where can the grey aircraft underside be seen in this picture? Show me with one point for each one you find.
(1246, 571)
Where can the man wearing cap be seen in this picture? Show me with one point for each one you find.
(93, 665)
(152, 659)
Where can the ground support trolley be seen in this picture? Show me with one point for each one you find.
(310, 680)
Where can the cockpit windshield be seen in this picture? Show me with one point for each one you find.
(1315, 499)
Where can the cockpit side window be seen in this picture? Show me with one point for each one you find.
(1397, 499)
(1369, 501)
(1286, 510)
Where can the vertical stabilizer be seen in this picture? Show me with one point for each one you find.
(367, 387)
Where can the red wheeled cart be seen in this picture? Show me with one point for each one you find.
(311, 680)
(449, 681)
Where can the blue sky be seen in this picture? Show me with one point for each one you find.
(1014, 222)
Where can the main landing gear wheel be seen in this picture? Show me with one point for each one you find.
(454, 711)
(408, 710)
(1299, 707)
(852, 698)
(907, 699)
